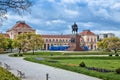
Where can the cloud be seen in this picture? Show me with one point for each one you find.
(57, 16)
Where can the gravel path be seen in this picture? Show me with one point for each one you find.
(34, 71)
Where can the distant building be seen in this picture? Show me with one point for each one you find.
(105, 35)
(90, 39)
(19, 27)
(87, 38)
(56, 40)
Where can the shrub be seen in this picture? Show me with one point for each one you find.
(110, 54)
(116, 54)
(20, 54)
(82, 64)
(15, 55)
(118, 71)
(5, 75)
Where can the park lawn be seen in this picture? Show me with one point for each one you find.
(105, 64)
(72, 64)
(6, 75)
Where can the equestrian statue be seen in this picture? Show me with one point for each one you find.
(74, 28)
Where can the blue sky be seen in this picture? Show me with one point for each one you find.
(57, 16)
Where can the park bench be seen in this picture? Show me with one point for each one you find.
(7, 66)
(21, 74)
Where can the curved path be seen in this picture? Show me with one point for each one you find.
(34, 71)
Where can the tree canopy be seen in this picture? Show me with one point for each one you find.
(16, 6)
(28, 41)
(112, 43)
(3, 43)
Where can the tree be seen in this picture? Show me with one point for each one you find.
(10, 41)
(28, 41)
(112, 43)
(18, 6)
(3, 43)
(20, 42)
(35, 41)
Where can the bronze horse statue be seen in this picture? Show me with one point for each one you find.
(74, 28)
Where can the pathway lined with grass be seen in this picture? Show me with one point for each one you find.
(34, 71)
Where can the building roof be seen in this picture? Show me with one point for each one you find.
(20, 25)
(56, 36)
(87, 32)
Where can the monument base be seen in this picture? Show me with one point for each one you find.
(75, 46)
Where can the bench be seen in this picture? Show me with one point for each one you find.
(7, 66)
(21, 74)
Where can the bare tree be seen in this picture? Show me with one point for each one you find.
(18, 6)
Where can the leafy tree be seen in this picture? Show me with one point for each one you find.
(112, 43)
(28, 41)
(20, 42)
(3, 42)
(18, 6)
(35, 41)
(10, 41)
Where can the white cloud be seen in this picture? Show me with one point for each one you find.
(70, 1)
(51, 22)
(58, 21)
(116, 6)
(71, 13)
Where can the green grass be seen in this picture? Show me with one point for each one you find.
(99, 63)
(72, 64)
(71, 60)
(5, 75)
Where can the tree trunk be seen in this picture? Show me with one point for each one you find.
(19, 50)
(33, 51)
(115, 51)
(11, 50)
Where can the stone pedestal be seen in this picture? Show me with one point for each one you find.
(75, 43)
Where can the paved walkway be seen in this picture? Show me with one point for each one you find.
(34, 71)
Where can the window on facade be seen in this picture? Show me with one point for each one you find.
(87, 39)
(56, 40)
(53, 40)
(49, 40)
(66, 40)
(63, 40)
(46, 40)
(91, 40)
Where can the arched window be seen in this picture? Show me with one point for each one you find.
(56, 40)
(49, 40)
(46, 40)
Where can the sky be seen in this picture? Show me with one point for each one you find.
(57, 16)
